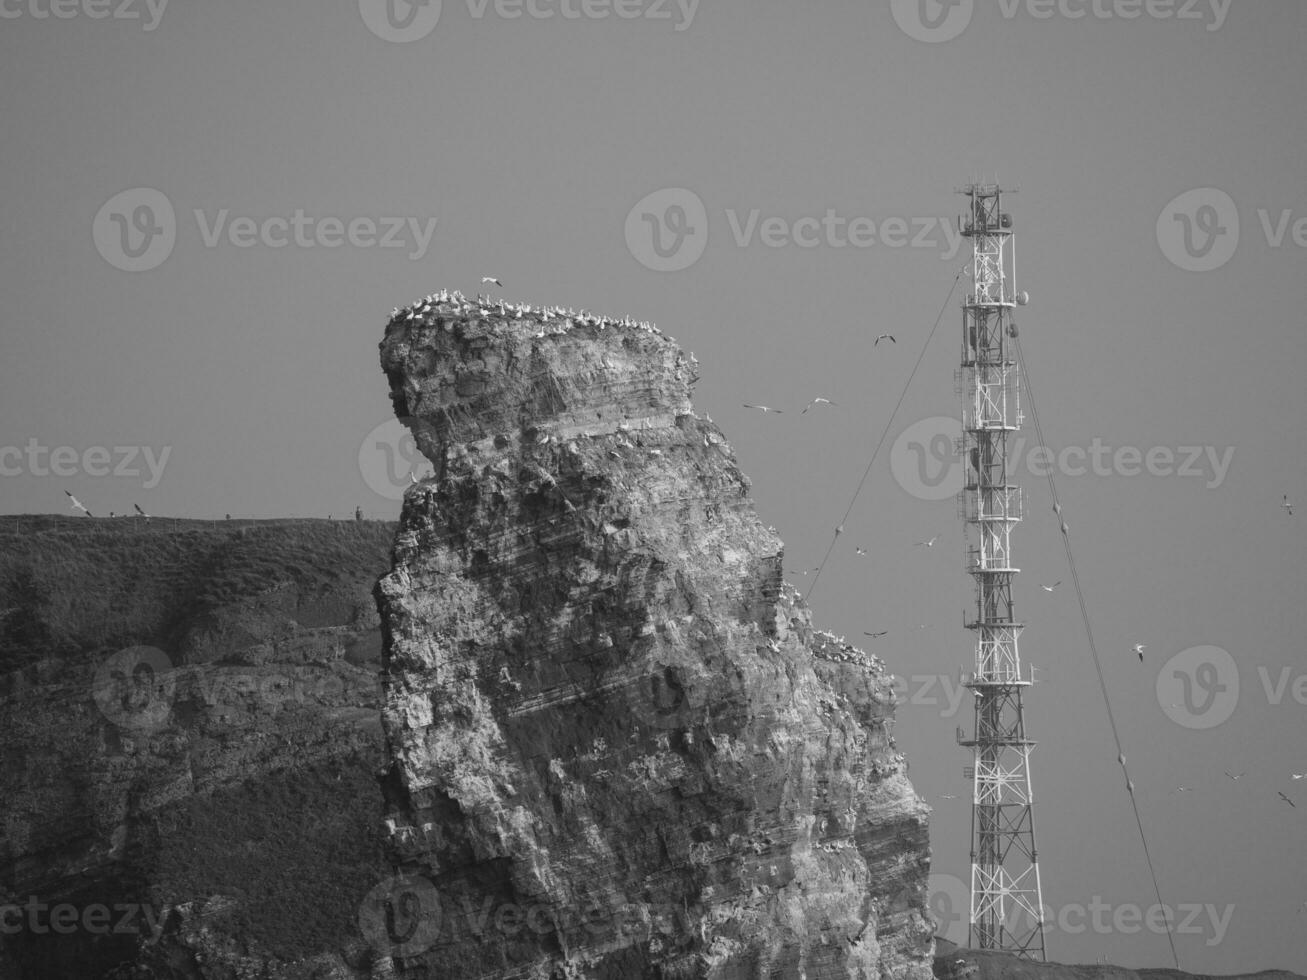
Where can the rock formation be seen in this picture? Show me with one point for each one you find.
(618, 746)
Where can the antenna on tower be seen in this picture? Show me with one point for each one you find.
(1006, 898)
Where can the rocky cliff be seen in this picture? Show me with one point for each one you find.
(618, 746)
(190, 715)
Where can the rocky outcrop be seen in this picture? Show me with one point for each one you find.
(618, 746)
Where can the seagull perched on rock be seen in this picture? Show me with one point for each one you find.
(1286, 505)
(78, 505)
(765, 408)
(817, 401)
(1050, 588)
(1139, 649)
(884, 336)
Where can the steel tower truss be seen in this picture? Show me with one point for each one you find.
(1006, 901)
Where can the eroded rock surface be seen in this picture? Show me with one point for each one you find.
(618, 746)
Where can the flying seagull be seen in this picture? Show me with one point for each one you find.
(764, 408)
(1287, 506)
(861, 551)
(874, 635)
(1050, 588)
(1298, 775)
(1139, 649)
(883, 336)
(948, 796)
(1287, 800)
(1183, 789)
(930, 543)
(817, 401)
(78, 505)
(492, 279)
(1232, 775)
(141, 512)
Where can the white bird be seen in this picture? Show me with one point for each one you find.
(1139, 649)
(78, 505)
(817, 401)
(1050, 588)
(1287, 506)
(764, 408)
(492, 279)
(948, 796)
(1183, 789)
(412, 477)
(884, 336)
(861, 551)
(141, 512)
(928, 544)
(1298, 775)
(1232, 775)
(1287, 800)
(874, 635)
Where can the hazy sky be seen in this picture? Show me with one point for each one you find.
(823, 143)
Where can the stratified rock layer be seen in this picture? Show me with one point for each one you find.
(618, 746)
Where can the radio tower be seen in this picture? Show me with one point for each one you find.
(1006, 902)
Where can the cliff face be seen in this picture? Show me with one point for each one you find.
(190, 715)
(618, 746)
